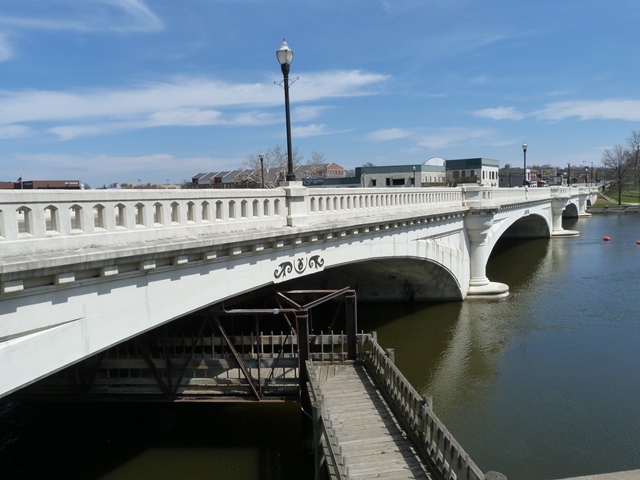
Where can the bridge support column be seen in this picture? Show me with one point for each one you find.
(478, 222)
(558, 205)
(582, 204)
(296, 203)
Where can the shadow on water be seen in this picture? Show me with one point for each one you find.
(123, 441)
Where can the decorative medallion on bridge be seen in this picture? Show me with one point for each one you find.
(300, 266)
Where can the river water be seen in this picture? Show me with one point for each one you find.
(542, 385)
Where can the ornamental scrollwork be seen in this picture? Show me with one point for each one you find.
(283, 269)
(300, 265)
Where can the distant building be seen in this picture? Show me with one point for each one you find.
(333, 170)
(221, 179)
(42, 184)
(430, 173)
(481, 171)
(388, 176)
(247, 178)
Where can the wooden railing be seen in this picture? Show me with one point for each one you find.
(426, 430)
(326, 447)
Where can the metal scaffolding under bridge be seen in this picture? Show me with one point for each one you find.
(221, 354)
(361, 417)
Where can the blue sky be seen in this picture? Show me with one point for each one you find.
(119, 90)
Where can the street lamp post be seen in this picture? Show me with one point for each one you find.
(637, 173)
(285, 57)
(262, 168)
(414, 176)
(524, 175)
(568, 174)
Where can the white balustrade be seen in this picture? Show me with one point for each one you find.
(52, 220)
(35, 221)
(333, 204)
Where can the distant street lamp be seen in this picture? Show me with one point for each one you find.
(262, 168)
(568, 174)
(637, 173)
(524, 151)
(414, 176)
(285, 57)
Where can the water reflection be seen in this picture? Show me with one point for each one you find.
(152, 441)
(544, 384)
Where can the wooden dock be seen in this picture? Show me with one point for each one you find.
(372, 442)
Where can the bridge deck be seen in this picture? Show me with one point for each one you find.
(373, 443)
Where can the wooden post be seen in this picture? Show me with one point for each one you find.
(391, 353)
(318, 454)
(302, 331)
(352, 326)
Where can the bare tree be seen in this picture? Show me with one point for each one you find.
(316, 166)
(616, 161)
(633, 143)
(275, 165)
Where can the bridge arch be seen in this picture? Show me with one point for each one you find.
(386, 279)
(572, 210)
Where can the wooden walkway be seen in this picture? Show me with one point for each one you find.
(373, 444)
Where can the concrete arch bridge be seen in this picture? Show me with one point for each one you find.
(81, 271)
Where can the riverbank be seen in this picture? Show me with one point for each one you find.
(614, 209)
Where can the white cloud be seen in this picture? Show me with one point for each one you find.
(500, 113)
(307, 113)
(611, 109)
(143, 18)
(387, 134)
(14, 131)
(309, 131)
(341, 83)
(184, 116)
(180, 102)
(68, 132)
(5, 49)
(85, 16)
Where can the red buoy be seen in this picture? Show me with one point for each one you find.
(606, 239)
(637, 242)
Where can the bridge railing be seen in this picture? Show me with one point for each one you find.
(329, 204)
(51, 220)
(427, 431)
(35, 221)
(478, 195)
